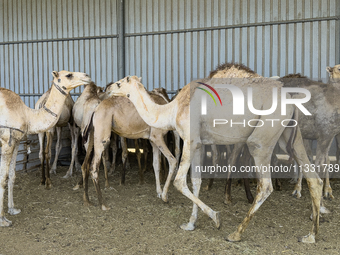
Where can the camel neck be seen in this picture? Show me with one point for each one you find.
(155, 115)
(47, 116)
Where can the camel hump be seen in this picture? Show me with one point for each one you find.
(298, 80)
(236, 66)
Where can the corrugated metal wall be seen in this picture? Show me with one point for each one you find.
(168, 43)
(40, 36)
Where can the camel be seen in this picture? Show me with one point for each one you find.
(322, 125)
(81, 112)
(119, 115)
(17, 120)
(195, 131)
(64, 119)
(177, 140)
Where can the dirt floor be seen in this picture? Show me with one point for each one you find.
(56, 222)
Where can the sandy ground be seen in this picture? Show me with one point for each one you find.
(56, 222)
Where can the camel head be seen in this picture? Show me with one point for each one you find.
(65, 81)
(334, 73)
(124, 86)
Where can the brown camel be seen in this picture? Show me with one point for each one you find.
(195, 130)
(17, 120)
(119, 115)
(81, 112)
(83, 109)
(322, 125)
(45, 154)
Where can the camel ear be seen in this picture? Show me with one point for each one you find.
(329, 69)
(55, 74)
(140, 79)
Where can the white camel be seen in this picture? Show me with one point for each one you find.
(17, 120)
(196, 130)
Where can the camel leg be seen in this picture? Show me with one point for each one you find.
(322, 149)
(98, 150)
(327, 190)
(157, 138)
(85, 171)
(74, 145)
(314, 182)
(106, 167)
(6, 159)
(177, 147)
(156, 157)
(214, 156)
(76, 138)
(232, 162)
(49, 136)
(264, 185)
(124, 159)
(337, 142)
(145, 153)
(139, 156)
(250, 197)
(114, 147)
(181, 184)
(41, 137)
(57, 151)
(11, 179)
(211, 180)
(298, 185)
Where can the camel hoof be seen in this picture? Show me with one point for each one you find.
(310, 238)
(165, 198)
(67, 175)
(207, 188)
(227, 201)
(4, 222)
(188, 227)
(87, 203)
(105, 208)
(216, 219)
(234, 237)
(13, 211)
(48, 186)
(77, 187)
(53, 171)
(328, 194)
(296, 193)
(324, 210)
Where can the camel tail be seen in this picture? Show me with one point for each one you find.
(291, 140)
(87, 130)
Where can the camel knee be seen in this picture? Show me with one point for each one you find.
(3, 179)
(180, 183)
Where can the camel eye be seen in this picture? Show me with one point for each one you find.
(69, 75)
(118, 85)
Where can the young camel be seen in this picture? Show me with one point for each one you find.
(195, 131)
(17, 120)
(112, 115)
(45, 154)
(322, 125)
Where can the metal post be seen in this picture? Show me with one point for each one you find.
(121, 38)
